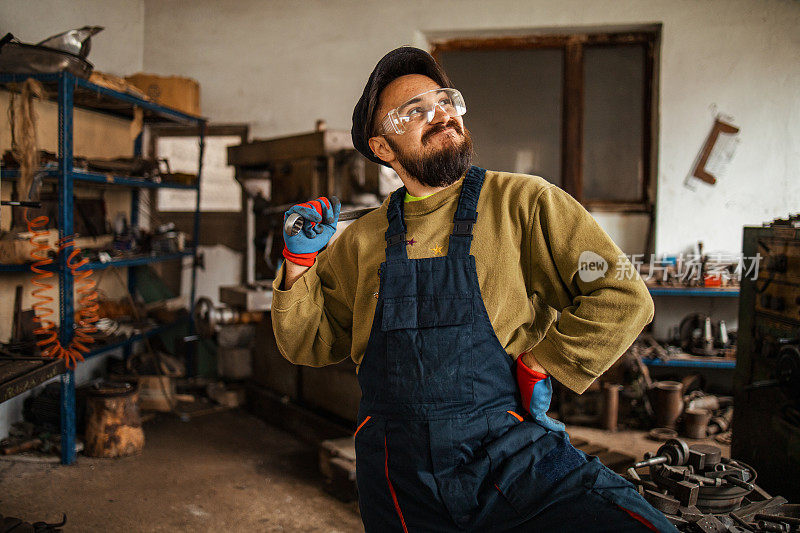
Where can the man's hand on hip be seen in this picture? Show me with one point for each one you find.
(536, 390)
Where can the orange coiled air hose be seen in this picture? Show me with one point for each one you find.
(86, 308)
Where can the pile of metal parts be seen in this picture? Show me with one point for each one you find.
(156, 170)
(628, 397)
(700, 490)
(697, 334)
(697, 269)
(683, 406)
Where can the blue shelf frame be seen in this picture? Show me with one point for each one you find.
(119, 263)
(97, 98)
(135, 338)
(686, 363)
(106, 179)
(708, 292)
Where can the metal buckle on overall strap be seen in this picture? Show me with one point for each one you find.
(396, 239)
(463, 227)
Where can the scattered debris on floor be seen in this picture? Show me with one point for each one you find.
(17, 525)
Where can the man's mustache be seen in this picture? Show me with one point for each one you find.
(452, 123)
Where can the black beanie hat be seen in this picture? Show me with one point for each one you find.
(399, 62)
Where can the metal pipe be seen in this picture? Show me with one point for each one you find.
(610, 406)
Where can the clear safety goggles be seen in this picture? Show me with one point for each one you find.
(421, 109)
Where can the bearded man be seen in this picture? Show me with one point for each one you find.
(446, 297)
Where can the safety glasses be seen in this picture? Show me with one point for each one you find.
(421, 109)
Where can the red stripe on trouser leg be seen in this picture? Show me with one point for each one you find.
(641, 519)
(391, 488)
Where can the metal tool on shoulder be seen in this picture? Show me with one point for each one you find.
(294, 222)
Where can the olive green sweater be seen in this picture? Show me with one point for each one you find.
(527, 243)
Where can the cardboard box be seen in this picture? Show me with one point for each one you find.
(177, 92)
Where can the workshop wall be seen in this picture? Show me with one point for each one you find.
(279, 66)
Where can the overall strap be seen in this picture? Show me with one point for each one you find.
(396, 234)
(466, 213)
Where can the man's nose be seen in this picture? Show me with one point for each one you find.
(439, 114)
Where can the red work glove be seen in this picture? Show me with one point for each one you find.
(537, 391)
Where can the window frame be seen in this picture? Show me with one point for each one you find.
(573, 45)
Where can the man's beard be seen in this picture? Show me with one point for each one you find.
(439, 168)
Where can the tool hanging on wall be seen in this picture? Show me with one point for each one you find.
(24, 144)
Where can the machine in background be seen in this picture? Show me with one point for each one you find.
(276, 174)
(766, 422)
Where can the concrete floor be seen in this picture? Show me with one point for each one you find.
(227, 471)
(632, 442)
(223, 472)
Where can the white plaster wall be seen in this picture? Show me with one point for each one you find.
(118, 49)
(280, 65)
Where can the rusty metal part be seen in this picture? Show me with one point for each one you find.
(690, 514)
(663, 502)
(695, 422)
(721, 423)
(733, 479)
(742, 523)
(113, 424)
(778, 518)
(24, 446)
(610, 405)
(208, 317)
(747, 513)
(668, 402)
(662, 434)
(772, 527)
(710, 524)
(674, 452)
(712, 455)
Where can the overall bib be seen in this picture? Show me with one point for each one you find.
(443, 442)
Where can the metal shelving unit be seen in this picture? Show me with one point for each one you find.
(694, 361)
(707, 292)
(70, 92)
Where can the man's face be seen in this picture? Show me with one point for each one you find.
(435, 154)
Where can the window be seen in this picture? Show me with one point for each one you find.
(575, 109)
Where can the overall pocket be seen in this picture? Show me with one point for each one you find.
(530, 464)
(428, 348)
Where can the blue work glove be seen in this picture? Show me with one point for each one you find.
(320, 217)
(536, 390)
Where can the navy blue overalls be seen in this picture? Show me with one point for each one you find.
(443, 442)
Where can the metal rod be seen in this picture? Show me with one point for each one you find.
(778, 518)
(16, 203)
(66, 90)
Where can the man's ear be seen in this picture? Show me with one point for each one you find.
(380, 147)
